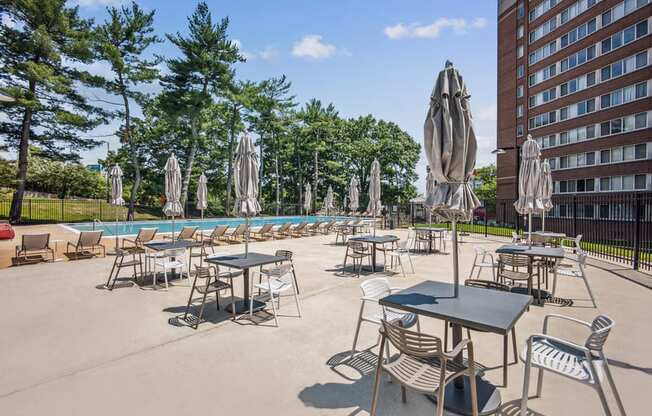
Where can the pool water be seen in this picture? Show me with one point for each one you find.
(131, 228)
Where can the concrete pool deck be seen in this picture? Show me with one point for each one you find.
(70, 348)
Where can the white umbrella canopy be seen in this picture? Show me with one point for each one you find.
(451, 148)
(546, 191)
(529, 189)
(374, 205)
(202, 194)
(172, 207)
(354, 194)
(430, 192)
(246, 183)
(328, 201)
(116, 196)
(307, 198)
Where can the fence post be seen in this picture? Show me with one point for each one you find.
(30, 209)
(100, 202)
(62, 209)
(575, 215)
(485, 218)
(637, 231)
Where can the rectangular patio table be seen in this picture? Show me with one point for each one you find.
(169, 245)
(380, 239)
(532, 252)
(474, 308)
(244, 263)
(430, 231)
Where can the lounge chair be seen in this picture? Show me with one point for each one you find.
(299, 230)
(186, 233)
(283, 231)
(87, 245)
(313, 228)
(326, 228)
(264, 233)
(145, 235)
(34, 248)
(237, 236)
(217, 235)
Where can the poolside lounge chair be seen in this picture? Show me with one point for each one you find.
(299, 230)
(145, 235)
(87, 245)
(326, 228)
(237, 236)
(263, 233)
(313, 228)
(186, 233)
(33, 249)
(217, 235)
(283, 231)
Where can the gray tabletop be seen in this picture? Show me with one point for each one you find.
(168, 245)
(534, 251)
(239, 261)
(476, 308)
(379, 239)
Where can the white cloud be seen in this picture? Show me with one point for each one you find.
(267, 54)
(311, 46)
(434, 29)
(6, 21)
(487, 113)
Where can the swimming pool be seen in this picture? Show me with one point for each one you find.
(131, 228)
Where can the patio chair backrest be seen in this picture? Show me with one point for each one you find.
(204, 275)
(175, 252)
(187, 233)
(345, 222)
(89, 238)
(414, 344)
(146, 234)
(578, 240)
(240, 229)
(600, 329)
(284, 227)
(487, 284)
(219, 231)
(515, 237)
(287, 254)
(480, 251)
(35, 241)
(514, 260)
(266, 228)
(375, 288)
(357, 247)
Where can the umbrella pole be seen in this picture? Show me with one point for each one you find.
(456, 264)
(247, 236)
(543, 221)
(173, 228)
(529, 229)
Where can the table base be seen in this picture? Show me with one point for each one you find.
(242, 306)
(458, 400)
(545, 295)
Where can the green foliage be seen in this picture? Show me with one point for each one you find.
(486, 192)
(64, 179)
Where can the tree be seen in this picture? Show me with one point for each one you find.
(122, 41)
(195, 78)
(37, 65)
(485, 177)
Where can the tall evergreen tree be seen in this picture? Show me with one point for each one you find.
(198, 77)
(122, 40)
(38, 54)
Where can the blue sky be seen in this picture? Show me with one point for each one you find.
(366, 57)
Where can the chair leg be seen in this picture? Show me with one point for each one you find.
(526, 380)
(296, 299)
(514, 347)
(192, 291)
(603, 398)
(471, 272)
(201, 309)
(610, 378)
(296, 283)
(374, 396)
(403, 394)
(271, 294)
(588, 288)
(445, 335)
(411, 264)
(165, 273)
(505, 351)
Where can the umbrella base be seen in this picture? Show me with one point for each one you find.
(242, 307)
(458, 400)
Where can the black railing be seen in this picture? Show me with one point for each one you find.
(614, 226)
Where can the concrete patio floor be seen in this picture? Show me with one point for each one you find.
(69, 347)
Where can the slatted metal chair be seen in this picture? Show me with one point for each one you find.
(372, 291)
(145, 235)
(402, 251)
(186, 233)
(276, 270)
(121, 262)
(577, 270)
(586, 363)
(275, 285)
(508, 268)
(357, 252)
(34, 247)
(423, 365)
(207, 280)
(483, 260)
(88, 245)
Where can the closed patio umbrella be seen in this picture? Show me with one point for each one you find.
(328, 201)
(354, 195)
(529, 189)
(202, 194)
(374, 205)
(116, 196)
(172, 207)
(307, 198)
(546, 191)
(246, 183)
(451, 147)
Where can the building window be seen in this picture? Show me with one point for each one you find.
(520, 32)
(520, 90)
(519, 130)
(640, 182)
(640, 151)
(519, 110)
(519, 51)
(520, 71)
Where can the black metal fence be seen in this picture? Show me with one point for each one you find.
(614, 226)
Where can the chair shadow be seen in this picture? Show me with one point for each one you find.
(513, 408)
(628, 366)
(210, 315)
(349, 271)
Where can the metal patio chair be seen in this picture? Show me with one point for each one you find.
(577, 270)
(172, 259)
(422, 365)
(88, 244)
(276, 270)
(402, 251)
(33, 247)
(275, 285)
(586, 363)
(207, 280)
(357, 252)
(483, 260)
(145, 235)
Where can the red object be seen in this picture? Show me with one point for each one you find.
(6, 232)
